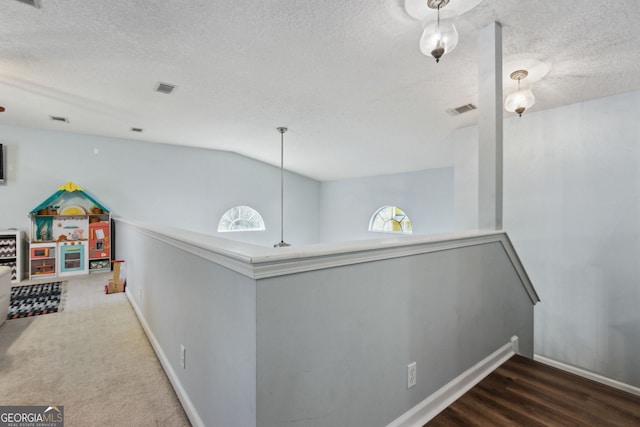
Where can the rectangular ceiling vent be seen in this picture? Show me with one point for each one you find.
(165, 88)
(59, 119)
(34, 3)
(462, 109)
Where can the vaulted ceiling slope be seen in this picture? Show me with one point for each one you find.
(346, 77)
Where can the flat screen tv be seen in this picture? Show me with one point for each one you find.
(1, 164)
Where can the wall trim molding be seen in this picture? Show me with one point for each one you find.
(187, 404)
(260, 262)
(426, 410)
(588, 375)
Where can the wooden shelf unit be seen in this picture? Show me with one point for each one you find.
(42, 260)
(11, 253)
(92, 231)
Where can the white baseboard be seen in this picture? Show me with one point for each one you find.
(589, 375)
(187, 404)
(424, 411)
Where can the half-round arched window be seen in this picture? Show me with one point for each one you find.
(390, 219)
(241, 218)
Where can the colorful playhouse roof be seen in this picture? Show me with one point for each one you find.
(70, 199)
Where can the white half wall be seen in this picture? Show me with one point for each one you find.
(334, 344)
(321, 335)
(185, 300)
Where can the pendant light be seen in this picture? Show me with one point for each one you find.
(282, 243)
(441, 37)
(519, 100)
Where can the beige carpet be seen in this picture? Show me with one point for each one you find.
(93, 358)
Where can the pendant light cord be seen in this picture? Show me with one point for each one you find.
(282, 243)
(282, 131)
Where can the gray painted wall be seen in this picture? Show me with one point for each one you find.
(572, 209)
(333, 345)
(209, 309)
(425, 196)
(189, 188)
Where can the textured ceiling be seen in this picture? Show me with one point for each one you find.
(346, 77)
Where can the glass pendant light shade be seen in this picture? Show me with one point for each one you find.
(439, 38)
(519, 101)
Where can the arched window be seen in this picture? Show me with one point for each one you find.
(241, 218)
(390, 219)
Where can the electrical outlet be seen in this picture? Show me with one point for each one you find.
(411, 375)
(183, 352)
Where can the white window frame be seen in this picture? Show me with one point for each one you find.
(237, 214)
(383, 218)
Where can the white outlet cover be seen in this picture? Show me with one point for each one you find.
(412, 378)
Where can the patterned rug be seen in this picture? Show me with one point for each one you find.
(34, 300)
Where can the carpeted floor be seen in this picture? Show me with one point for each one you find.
(93, 358)
(37, 299)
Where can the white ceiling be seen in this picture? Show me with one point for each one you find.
(346, 77)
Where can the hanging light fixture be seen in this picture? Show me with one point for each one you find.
(519, 100)
(441, 37)
(282, 243)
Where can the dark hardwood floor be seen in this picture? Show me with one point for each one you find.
(523, 392)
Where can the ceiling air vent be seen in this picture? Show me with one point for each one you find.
(462, 109)
(136, 129)
(34, 3)
(59, 119)
(165, 88)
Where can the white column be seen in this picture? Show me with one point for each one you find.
(490, 127)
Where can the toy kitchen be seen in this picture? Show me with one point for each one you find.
(70, 235)
(73, 251)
